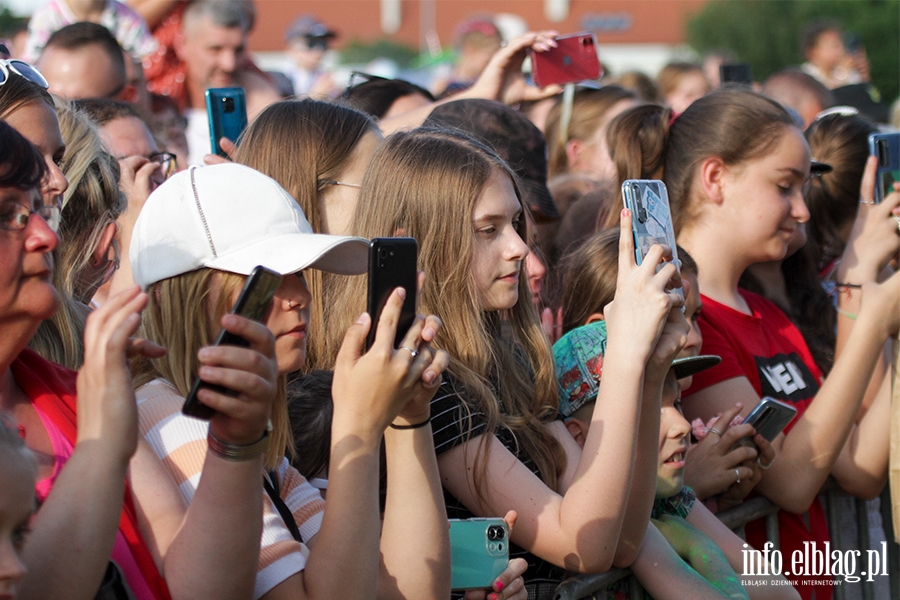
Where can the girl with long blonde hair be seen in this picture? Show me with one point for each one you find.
(498, 443)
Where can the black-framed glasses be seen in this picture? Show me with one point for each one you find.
(166, 160)
(22, 68)
(14, 216)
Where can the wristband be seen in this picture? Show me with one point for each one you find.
(413, 426)
(237, 452)
(848, 286)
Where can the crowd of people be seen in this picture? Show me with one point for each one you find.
(592, 400)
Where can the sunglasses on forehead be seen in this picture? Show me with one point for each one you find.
(23, 69)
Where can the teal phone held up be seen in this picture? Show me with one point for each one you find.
(479, 552)
(226, 111)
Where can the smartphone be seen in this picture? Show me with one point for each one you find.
(651, 220)
(392, 264)
(226, 111)
(770, 417)
(479, 552)
(574, 59)
(886, 146)
(736, 73)
(253, 303)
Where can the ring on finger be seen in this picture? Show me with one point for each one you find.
(738, 473)
(762, 466)
(715, 431)
(414, 353)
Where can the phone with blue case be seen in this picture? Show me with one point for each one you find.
(886, 146)
(226, 111)
(651, 219)
(479, 552)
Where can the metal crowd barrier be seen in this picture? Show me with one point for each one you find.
(585, 587)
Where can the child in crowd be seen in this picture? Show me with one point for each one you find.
(736, 166)
(17, 473)
(710, 554)
(499, 446)
(715, 468)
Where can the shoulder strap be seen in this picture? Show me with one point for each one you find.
(271, 485)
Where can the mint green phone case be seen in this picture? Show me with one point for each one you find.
(479, 552)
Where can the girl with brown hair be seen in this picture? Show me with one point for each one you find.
(498, 443)
(736, 166)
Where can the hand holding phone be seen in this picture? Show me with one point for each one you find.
(392, 264)
(253, 303)
(651, 223)
(226, 111)
(479, 552)
(886, 147)
(770, 417)
(573, 59)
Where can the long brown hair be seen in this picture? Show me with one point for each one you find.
(300, 143)
(184, 332)
(733, 124)
(833, 199)
(425, 183)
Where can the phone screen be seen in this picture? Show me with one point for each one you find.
(392, 264)
(253, 303)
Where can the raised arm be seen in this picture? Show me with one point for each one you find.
(198, 556)
(72, 534)
(415, 542)
(580, 529)
(807, 455)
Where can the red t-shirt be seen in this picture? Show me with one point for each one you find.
(767, 349)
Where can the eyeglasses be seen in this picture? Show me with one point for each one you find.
(22, 68)
(166, 160)
(333, 182)
(14, 216)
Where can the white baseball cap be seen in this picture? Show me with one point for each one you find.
(232, 218)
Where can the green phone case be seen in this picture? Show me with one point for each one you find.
(479, 552)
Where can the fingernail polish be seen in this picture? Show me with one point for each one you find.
(499, 585)
(492, 596)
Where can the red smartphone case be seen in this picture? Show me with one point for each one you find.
(573, 59)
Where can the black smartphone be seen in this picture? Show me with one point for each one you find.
(253, 303)
(885, 146)
(226, 111)
(392, 264)
(736, 73)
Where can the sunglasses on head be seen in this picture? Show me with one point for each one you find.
(23, 69)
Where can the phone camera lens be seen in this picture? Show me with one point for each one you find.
(228, 105)
(495, 533)
(383, 253)
(884, 152)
